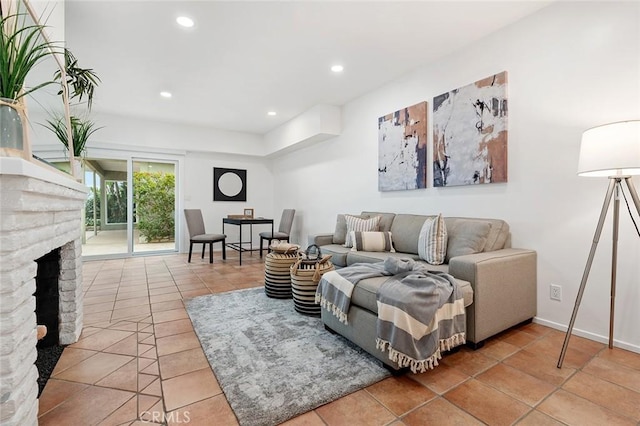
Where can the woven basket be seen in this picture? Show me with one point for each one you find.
(283, 247)
(277, 274)
(305, 277)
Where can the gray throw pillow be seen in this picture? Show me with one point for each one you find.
(467, 237)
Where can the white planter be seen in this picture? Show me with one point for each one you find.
(77, 169)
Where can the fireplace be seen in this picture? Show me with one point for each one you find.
(48, 297)
(48, 316)
(41, 214)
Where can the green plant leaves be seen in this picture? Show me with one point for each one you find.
(21, 48)
(82, 81)
(154, 198)
(81, 130)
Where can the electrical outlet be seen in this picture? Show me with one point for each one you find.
(555, 292)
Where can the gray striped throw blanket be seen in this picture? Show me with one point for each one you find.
(420, 313)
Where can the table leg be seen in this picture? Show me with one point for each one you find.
(240, 251)
(224, 242)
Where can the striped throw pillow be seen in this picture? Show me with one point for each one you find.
(357, 224)
(371, 241)
(432, 241)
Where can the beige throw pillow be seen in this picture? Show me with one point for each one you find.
(432, 241)
(371, 241)
(357, 224)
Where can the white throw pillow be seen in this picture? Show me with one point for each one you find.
(432, 241)
(357, 224)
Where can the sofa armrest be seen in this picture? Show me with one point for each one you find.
(320, 239)
(504, 286)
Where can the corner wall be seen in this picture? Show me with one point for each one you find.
(571, 66)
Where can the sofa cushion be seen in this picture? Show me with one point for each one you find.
(432, 241)
(356, 223)
(467, 237)
(371, 241)
(364, 293)
(406, 229)
(498, 235)
(340, 232)
(338, 254)
(372, 257)
(386, 219)
(498, 238)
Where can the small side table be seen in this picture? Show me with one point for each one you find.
(238, 246)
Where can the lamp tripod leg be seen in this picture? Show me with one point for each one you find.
(587, 269)
(616, 210)
(614, 261)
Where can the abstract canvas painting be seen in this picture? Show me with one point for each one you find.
(470, 133)
(402, 149)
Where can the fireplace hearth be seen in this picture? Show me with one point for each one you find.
(45, 363)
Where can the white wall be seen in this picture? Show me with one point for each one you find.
(316, 124)
(571, 66)
(198, 193)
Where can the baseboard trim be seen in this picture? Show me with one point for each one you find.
(588, 335)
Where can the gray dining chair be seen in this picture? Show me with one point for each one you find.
(197, 234)
(284, 229)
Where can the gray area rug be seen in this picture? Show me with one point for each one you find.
(273, 363)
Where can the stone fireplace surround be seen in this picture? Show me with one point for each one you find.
(40, 210)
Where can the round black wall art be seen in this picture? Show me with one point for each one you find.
(229, 184)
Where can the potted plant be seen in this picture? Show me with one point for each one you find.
(79, 82)
(81, 129)
(22, 47)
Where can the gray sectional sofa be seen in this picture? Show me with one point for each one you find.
(498, 282)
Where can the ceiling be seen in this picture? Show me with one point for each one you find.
(243, 59)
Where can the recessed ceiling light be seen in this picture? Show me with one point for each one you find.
(272, 113)
(184, 21)
(337, 68)
(166, 94)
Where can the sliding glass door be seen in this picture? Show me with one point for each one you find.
(106, 208)
(131, 207)
(154, 206)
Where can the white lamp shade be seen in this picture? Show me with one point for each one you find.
(611, 150)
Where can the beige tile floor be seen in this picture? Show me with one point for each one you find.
(139, 362)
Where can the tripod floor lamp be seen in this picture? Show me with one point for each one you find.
(613, 151)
